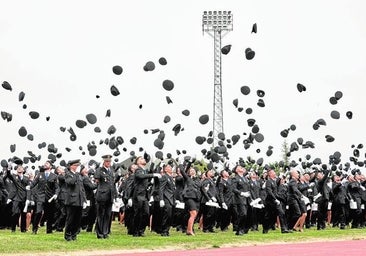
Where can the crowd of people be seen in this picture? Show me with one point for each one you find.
(167, 194)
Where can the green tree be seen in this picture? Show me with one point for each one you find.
(285, 153)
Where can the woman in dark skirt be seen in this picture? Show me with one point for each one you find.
(191, 195)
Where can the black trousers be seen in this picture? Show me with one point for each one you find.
(166, 222)
(48, 210)
(141, 216)
(209, 217)
(104, 219)
(242, 221)
(270, 216)
(73, 219)
(17, 212)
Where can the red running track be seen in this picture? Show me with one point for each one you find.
(333, 248)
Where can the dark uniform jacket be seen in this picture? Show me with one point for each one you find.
(208, 189)
(106, 190)
(20, 194)
(225, 191)
(240, 184)
(44, 188)
(192, 187)
(75, 189)
(141, 183)
(166, 189)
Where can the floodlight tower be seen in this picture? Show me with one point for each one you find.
(217, 24)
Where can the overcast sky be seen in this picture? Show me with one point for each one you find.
(61, 54)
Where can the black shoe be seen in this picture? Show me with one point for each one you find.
(285, 231)
(34, 232)
(265, 231)
(239, 233)
(164, 234)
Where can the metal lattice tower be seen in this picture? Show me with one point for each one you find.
(217, 24)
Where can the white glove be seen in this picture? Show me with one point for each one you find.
(8, 201)
(129, 202)
(162, 203)
(27, 187)
(214, 199)
(224, 206)
(32, 203)
(277, 202)
(177, 201)
(310, 190)
(312, 184)
(245, 194)
(157, 175)
(85, 205)
(362, 187)
(54, 197)
(255, 201)
(317, 196)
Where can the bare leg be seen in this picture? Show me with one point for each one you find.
(192, 217)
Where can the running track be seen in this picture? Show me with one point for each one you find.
(344, 248)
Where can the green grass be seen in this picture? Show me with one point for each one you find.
(26, 243)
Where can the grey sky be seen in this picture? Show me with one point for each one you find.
(61, 55)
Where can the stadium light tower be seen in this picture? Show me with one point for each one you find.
(217, 24)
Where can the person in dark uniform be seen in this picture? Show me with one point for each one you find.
(179, 214)
(241, 190)
(355, 191)
(225, 196)
(273, 207)
(209, 194)
(21, 184)
(61, 209)
(45, 189)
(256, 211)
(191, 194)
(297, 208)
(89, 213)
(106, 193)
(127, 199)
(167, 201)
(323, 197)
(339, 201)
(140, 197)
(75, 200)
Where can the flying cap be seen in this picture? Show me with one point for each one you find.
(226, 49)
(329, 138)
(168, 85)
(114, 90)
(186, 112)
(203, 119)
(168, 100)
(91, 118)
(245, 90)
(335, 114)
(34, 114)
(149, 66)
(254, 28)
(301, 88)
(7, 86)
(117, 70)
(349, 114)
(80, 123)
(162, 61)
(21, 96)
(249, 54)
(22, 131)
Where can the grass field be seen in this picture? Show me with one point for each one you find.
(54, 244)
